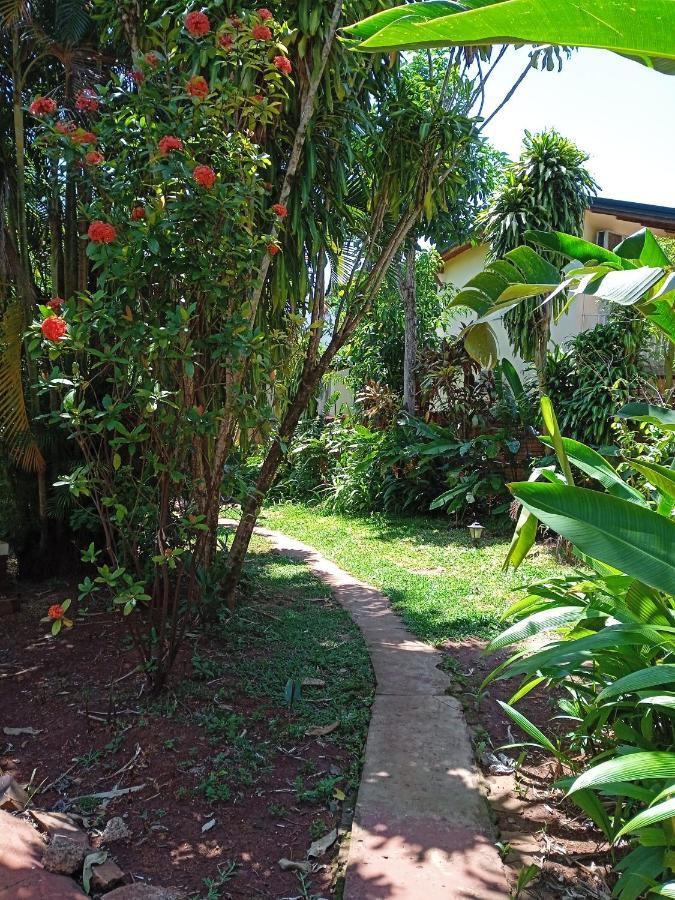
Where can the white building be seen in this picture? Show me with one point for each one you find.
(607, 222)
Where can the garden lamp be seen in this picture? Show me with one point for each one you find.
(476, 530)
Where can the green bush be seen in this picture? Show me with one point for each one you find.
(594, 374)
(412, 465)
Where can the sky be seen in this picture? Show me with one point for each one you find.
(621, 113)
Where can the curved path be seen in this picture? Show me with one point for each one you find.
(421, 826)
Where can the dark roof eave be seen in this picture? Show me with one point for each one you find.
(645, 214)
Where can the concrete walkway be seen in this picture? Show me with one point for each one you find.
(421, 826)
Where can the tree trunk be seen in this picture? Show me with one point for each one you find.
(410, 335)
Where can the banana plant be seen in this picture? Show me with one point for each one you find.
(636, 273)
(642, 32)
(609, 653)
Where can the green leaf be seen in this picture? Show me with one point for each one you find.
(575, 248)
(643, 33)
(551, 423)
(661, 477)
(645, 412)
(638, 681)
(657, 813)
(531, 730)
(643, 247)
(625, 288)
(481, 344)
(629, 537)
(538, 622)
(595, 465)
(631, 767)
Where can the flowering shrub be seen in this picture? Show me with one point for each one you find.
(163, 360)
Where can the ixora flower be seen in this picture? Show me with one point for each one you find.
(65, 127)
(42, 106)
(169, 143)
(53, 328)
(56, 614)
(280, 210)
(261, 33)
(137, 213)
(273, 249)
(86, 101)
(264, 14)
(151, 59)
(204, 176)
(138, 77)
(283, 64)
(225, 41)
(94, 158)
(55, 303)
(197, 24)
(80, 136)
(101, 232)
(197, 87)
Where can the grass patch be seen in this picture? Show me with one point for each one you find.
(442, 586)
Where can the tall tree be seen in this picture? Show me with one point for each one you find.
(548, 188)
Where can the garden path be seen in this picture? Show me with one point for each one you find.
(421, 825)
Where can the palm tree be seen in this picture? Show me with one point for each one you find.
(549, 188)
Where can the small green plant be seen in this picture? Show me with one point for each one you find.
(204, 668)
(277, 810)
(526, 876)
(213, 885)
(215, 786)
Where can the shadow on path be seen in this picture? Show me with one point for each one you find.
(421, 825)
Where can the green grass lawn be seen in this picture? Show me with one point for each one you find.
(442, 586)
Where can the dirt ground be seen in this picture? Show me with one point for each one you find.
(270, 796)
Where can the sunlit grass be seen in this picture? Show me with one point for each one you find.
(441, 585)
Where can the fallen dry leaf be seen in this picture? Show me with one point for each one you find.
(321, 730)
(313, 682)
(291, 865)
(207, 826)
(318, 848)
(24, 730)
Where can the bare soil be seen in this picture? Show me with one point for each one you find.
(98, 730)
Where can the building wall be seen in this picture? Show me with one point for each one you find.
(583, 314)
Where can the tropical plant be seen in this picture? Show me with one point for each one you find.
(548, 188)
(595, 373)
(640, 33)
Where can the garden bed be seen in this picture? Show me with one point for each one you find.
(536, 825)
(221, 743)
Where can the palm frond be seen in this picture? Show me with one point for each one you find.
(15, 430)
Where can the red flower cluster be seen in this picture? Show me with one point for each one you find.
(138, 77)
(55, 303)
(226, 41)
(258, 97)
(283, 63)
(86, 101)
(197, 23)
(94, 158)
(42, 106)
(198, 87)
(280, 210)
(272, 249)
(80, 136)
(53, 328)
(169, 143)
(55, 611)
(101, 232)
(261, 33)
(152, 59)
(264, 14)
(138, 212)
(65, 127)
(204, 176)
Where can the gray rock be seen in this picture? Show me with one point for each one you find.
(63, 855)
(144, 892)
(106, 876)
(116, 830)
